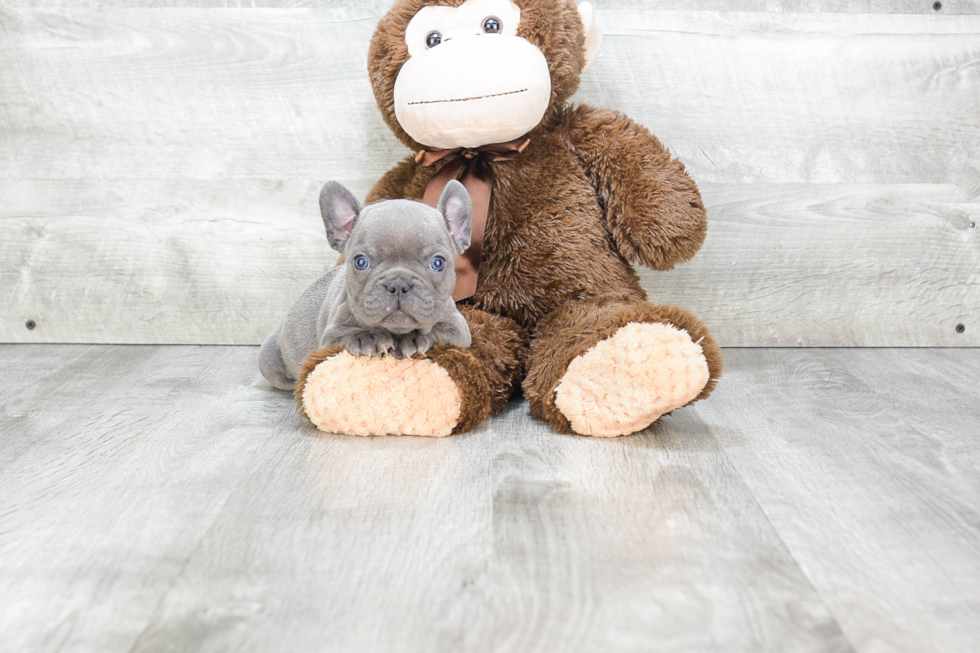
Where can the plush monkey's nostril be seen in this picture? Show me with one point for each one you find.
(398, 287)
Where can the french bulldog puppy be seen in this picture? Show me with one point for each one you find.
(393, 293)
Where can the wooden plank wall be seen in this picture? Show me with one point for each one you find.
(160, 162)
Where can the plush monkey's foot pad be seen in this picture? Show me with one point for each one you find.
(627, 381)
(360, 395)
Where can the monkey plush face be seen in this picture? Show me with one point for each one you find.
(452, 73)
(470, 79)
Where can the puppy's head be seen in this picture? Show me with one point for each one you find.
(400, 254)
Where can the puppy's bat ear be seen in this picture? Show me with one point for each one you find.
(339, 210)
(457, 209)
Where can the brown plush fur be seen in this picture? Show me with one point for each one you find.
(309, 365)
(593, 192)
(485, 374)
(578, 325)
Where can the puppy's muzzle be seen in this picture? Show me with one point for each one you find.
(398, 289)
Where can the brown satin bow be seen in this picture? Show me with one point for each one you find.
(477, 178)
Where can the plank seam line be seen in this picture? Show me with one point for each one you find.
(786, 547)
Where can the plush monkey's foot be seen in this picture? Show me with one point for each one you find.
(360, 395)
(448, 390)
(627, 381)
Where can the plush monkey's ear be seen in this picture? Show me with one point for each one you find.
(457, 209)
(593, 36)
(339, 210)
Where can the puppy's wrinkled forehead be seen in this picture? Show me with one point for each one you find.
(399, 229)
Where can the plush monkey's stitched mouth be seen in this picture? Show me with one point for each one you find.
(467, 99)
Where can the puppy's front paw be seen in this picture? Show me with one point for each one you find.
(368, 343)
(414, 342)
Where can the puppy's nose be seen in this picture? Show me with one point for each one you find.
(398, 287)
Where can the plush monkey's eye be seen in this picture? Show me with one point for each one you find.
(433, 39)
(491, 25)
(361, 262)
(438, 263)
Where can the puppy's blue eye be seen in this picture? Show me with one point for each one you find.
(361, 262)
(433, 39)
(438, 263)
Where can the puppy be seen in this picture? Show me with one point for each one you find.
(393, 293)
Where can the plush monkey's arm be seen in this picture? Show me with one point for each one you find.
(652, 208)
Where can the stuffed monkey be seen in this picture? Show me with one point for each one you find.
(565, 199)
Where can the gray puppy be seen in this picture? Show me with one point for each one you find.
(392, 295)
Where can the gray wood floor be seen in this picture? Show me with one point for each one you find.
(164, 499)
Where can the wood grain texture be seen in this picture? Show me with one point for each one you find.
(167, 499)
(376, 7)
(278, 93)
(883, 445)
(171, 261)
(159, 166)
(193, 261)
(835, 264)
(187, 508)
(648, 543)
(122, 459)
(508, 539)
(190, 94)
